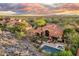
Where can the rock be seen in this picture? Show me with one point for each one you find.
(2, 52)
(10, 46)
(8, 42)
(17, 52)
(25, 53)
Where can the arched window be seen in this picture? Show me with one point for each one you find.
(37, 34)
(46, 33)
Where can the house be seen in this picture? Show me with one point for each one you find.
(53, 31)
(14, 21)
(77, 52)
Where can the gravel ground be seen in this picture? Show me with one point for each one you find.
(10, 46)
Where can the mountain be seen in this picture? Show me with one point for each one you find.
(67, 8)
(35, 8)
(70, 6)
(39, 8)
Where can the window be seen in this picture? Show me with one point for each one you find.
(46, 33)
(37, 34)
(54, 38)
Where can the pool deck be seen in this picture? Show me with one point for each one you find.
(54, 45)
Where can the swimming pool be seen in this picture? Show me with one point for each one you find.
(50, 49)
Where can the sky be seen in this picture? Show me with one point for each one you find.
(25, 8)
(39, 1)
(16, 8)
(38, 8)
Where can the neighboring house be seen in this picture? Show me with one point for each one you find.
(77, 52)
(53, 31)
(13, 21)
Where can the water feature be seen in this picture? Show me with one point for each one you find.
(50, 49)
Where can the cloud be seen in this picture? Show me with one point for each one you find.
(7, 12)
(10, 6)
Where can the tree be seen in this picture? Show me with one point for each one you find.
(3, 26)
(55, 20)
(20, 27)
(74, 50)
(73, 38)
(10, 27)
(40, 22)
(72, 35)
(77, 21)
(19, 35)
(63, 53)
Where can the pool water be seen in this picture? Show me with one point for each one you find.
(50, 49)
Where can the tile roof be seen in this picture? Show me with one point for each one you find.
(54, 30)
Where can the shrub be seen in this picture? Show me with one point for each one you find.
(72, 35)
(63, 53)
(19, 35)
(40, 22)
